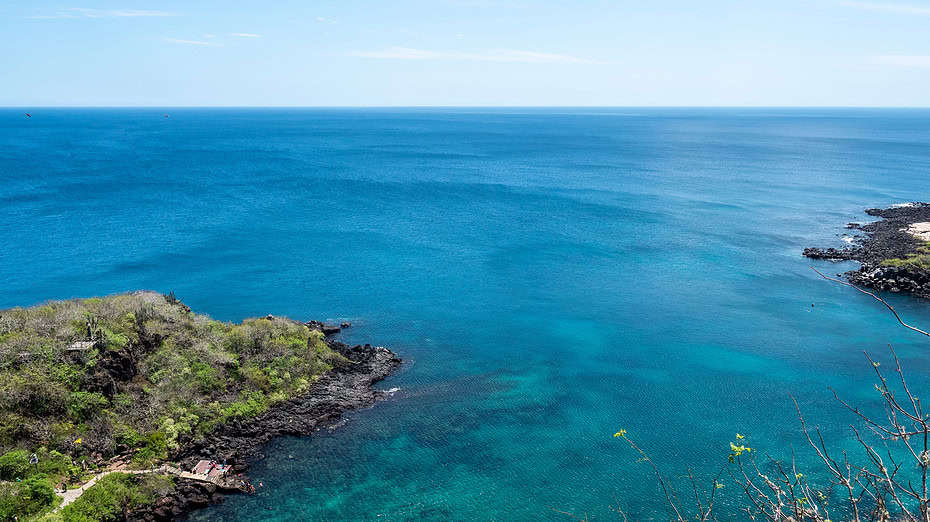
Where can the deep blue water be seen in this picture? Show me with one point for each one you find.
(549, 275)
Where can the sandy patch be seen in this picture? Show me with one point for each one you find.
(921, 230)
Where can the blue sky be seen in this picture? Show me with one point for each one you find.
(465, 52)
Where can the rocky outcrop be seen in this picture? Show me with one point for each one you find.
(887, 238)
(902, 279)
(327, 329)
(346, 387)
(187, 496)
(832, 254)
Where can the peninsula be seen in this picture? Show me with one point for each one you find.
(894, 252)
(133, 407)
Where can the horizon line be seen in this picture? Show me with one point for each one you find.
(464, 106)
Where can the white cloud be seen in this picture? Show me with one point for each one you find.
(192, 42)
(501, 55)
(80, 12)
(904, 60)
(889, 7)
(400, 53)
(245, 35)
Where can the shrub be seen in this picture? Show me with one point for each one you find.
(83, 405)
(128, 436)
(114, 340)
(156, 447)
(14, 465)
(28, 497)
(55, 464)
(31, 393)
(38, 492)
(206, 377)
(249, 405)
(115, 492)
(175, 429)
(103, 501)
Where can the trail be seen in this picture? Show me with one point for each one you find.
(71, 495)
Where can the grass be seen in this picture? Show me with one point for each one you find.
(156, 376)
(919, 259)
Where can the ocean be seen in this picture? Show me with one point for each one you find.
(549, 276)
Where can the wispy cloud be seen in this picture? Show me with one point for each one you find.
(80, 12)
(888, 7)
(192, 42)
(245, 35)
(500, 55)
(904, 60)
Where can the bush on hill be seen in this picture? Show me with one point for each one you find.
(138, 374)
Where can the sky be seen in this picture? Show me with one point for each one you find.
(464, 53)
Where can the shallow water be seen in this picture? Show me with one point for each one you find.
(549, 275)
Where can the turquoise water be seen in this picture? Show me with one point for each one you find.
(549, 276)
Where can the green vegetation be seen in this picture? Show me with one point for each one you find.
(115, 494)
(919, 259)
(28, 489)
(30, 497)
(136, 375)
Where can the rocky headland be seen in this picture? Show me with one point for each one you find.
(108, 404)
(893, 252)
(343, 389)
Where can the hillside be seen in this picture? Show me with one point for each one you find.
(135, 375)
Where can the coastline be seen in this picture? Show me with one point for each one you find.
(127, 403)
(893, 252)
(343, 389)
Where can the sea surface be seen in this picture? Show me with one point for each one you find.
(549, 276)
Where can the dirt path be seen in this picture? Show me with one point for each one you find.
(71, 495)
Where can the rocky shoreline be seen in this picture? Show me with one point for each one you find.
(344, 388)
(895, 237)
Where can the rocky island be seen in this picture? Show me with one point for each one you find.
(133, 407)
(894, 252)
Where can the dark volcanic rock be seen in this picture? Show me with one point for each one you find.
(187, 496)
(884, 239)
(112, 368)
(330, 330)
(904, 279)
(327, 329)
(346, 387)
(830, 253)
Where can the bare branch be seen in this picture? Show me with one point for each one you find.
(876, 297)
